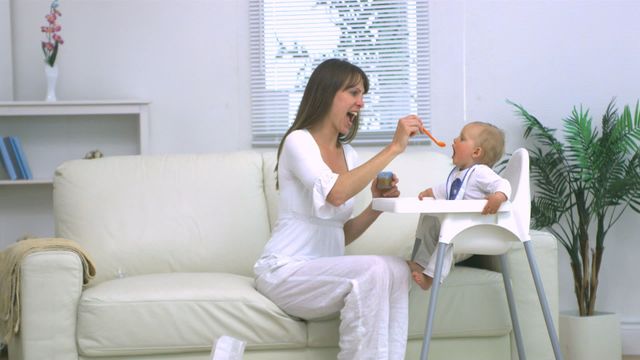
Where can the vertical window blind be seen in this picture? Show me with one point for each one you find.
(388, 39)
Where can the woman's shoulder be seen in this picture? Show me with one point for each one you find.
(300, 133)
(349, 150)
(351, 155)
(298, 138)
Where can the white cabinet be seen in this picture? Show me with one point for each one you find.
(51, 133)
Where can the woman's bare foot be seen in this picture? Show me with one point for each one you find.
(423, 280)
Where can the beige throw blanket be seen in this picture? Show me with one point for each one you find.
(10, 260)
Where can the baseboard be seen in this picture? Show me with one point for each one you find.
(630, 332)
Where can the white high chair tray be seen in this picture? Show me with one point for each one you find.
(412, 205)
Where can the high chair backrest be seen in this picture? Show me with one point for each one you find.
(473, 233)
(487, 235)
(517, 172)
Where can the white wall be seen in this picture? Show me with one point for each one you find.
(190, 59)
(6, 82)
(549, 56)
(585, 53)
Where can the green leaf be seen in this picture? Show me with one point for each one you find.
(590, 177)
(54, 54)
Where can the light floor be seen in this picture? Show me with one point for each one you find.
(3, 356)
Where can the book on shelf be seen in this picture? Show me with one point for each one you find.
(21, 158)
(7, 162)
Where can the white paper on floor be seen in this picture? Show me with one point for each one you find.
(227, 348)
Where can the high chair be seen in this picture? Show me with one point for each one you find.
(463, 225)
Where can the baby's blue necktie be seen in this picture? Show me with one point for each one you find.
(455, 188)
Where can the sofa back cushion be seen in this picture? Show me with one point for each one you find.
(418, 168)
(270, 178)
(152, 214)
(392, 234)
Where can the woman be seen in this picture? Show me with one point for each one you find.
(303, 268)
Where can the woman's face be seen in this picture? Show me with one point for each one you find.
(346, 103)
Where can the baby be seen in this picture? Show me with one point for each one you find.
(478, 147)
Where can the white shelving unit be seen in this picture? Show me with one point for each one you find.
(51, 133)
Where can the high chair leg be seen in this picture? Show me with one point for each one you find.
(416, 244)
(506, 278)
(543, 300)
(424, 354)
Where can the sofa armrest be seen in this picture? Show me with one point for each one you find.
(50, 289)
(536, 339)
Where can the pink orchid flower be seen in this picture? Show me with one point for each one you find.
(53, 39)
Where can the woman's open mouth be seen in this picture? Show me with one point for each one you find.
(352, 116)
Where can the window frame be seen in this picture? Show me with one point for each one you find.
(268, 132)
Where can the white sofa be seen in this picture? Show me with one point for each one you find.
(174, 239)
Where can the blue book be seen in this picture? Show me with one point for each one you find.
(21, 158)
(14, 158)
(7, 162)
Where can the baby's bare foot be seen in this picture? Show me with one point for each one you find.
(423, 280)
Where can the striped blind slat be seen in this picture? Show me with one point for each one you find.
(388, 39)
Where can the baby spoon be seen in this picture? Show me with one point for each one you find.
(438, 142)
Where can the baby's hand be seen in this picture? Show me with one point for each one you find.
(493, 203)
(426, 193)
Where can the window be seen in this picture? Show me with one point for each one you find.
(388, 39)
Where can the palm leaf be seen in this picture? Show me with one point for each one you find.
(591, 177)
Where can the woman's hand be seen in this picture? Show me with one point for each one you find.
(387, 193)
(407, 127)
(357, 225)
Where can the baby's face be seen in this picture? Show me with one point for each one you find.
(464, 147)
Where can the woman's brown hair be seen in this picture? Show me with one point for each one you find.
(327, 79)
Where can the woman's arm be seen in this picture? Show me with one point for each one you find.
(352, 182)
(357, 225)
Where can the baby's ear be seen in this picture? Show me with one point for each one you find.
(477, 154)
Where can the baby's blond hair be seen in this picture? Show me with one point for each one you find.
(491, 140)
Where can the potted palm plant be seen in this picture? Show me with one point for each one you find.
(582, 186)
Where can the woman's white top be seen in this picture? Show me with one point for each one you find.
(478, 181)
(308, 226)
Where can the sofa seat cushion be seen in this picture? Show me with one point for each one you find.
(471, 303)
(180, 312)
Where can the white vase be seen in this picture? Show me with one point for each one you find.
(51, 73)
(595, 337)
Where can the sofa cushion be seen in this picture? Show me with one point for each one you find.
(118, 208)
(180, 312)
(417, 170)
(471, 303)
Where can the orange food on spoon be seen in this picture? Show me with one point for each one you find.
(438, 142)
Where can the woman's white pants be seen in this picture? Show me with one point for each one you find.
(370, 293)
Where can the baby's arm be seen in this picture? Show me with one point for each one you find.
(493, 202)
(426, 193)
(498, 189)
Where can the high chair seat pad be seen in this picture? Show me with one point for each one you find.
(411, 205)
